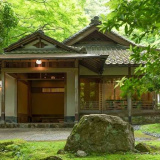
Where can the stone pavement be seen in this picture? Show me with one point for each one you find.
(35, 134)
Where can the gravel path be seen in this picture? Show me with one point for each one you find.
(35, 134)
(51, 134)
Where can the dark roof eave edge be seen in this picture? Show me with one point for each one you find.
(34, 58)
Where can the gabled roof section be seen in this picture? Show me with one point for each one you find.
(93, 27)
(38, 41)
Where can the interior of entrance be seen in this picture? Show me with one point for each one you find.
(40, 97)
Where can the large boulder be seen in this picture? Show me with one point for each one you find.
(101, 133)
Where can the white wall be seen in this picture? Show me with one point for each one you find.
(10, 96)
(85, 71)
(70, 109)
(107, 71)
(115, 70)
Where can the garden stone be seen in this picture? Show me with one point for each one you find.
(61, 151)
(81, 153)
(142, 147)
(52, 158)
(101, 133)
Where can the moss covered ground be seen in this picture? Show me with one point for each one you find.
(151, 128)
(22, 150)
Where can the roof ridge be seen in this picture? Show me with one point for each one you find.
(40, 33)
(95, 22)
(124, 38)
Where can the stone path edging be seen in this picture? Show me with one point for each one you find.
(152, 134)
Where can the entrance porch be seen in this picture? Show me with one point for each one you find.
(39, 95)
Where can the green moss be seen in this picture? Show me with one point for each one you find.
(140, 134)
(152, 128)
(22, 150)
(142, 147)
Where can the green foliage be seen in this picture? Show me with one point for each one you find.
(151, 128)
(41, 150)
(8, 21)
(140, 20)
(133, 86)
(59, 18)
(94, 8)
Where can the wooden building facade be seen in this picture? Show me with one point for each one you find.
(44, 80)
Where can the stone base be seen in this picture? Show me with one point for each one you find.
(141, 119)
(145, 119)
(69, 119)
(37, 125)
(9, 119)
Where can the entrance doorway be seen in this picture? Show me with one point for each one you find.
(41, 97)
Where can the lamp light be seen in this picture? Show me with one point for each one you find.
(38, 61)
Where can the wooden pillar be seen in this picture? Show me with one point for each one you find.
(129, 102)
(155, 100)
(129, 99)
(29, 103)
(3, 98)
(100, 96)
(76, 92)
(103, 95)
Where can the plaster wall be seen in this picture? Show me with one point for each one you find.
(70, 109)
(10, 96)
(31, 45)
(107, 71)
(85, 71)
(115, 70)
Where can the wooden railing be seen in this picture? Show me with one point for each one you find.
(116, 105)
(89, 105)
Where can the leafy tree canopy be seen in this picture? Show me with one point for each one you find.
(59, 18)
(94, 8)
(140, 20)
(8, 21)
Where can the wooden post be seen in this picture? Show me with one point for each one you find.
(3, 98)
(76, 92)
(129, 99)
(129, 102)
(103, 95)
(100, 96)
(155, 100)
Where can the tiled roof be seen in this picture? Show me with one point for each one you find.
(39, 34)
(78, 33)
(94, 23)
(45, 51)
(117, 54)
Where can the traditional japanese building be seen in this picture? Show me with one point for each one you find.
(44, 80)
